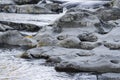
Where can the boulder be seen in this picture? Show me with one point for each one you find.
(89, 45)
(90, 37)
(112, 45)
(70, 42)
(107, 14)
(16, 39)
(99, 64)
(76, 19)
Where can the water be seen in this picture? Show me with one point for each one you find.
(12, 67)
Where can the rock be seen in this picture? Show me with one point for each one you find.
(104, 27)
(89, 45)
(21, 2)
(70, 42)
(5, 27)
(15, 38)
(112, 45)
(54, 7)
(107, 14)
(97, 64)
(21, 26)
(55, 54)
(78, 19)
(26, 9)
(90, 37)
(46, 40)
(109, 76)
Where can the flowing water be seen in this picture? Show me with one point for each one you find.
(12, 67)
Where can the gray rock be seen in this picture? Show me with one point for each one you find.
(55, 54)
(46, 40)
(54, 7)
(89, 45)
(75, 19)
(107, 14)
(70, 42)
(100, 64)
(112, 45)
(90, 37)
(15, 38)
(21, 26)
(104, 27)
(26, 9)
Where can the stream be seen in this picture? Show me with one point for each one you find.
(12, 67)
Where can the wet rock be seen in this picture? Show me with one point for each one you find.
(104, 27)
(89, 45)
(78, 19)
(46, 40)
(90, 37)
(54, 7)
(26, 9)
(107, 14)
(21, 26)
(109, 76)
(98, 64)
(26, 1)
(56, 54)
(5, 27)
(112, 45)
(15, 38)
(70, 42)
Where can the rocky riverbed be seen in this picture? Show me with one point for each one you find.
(59, 40)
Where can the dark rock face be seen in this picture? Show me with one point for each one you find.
(5, 27)
(32, 9)
(21, 26)
(21, 2)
